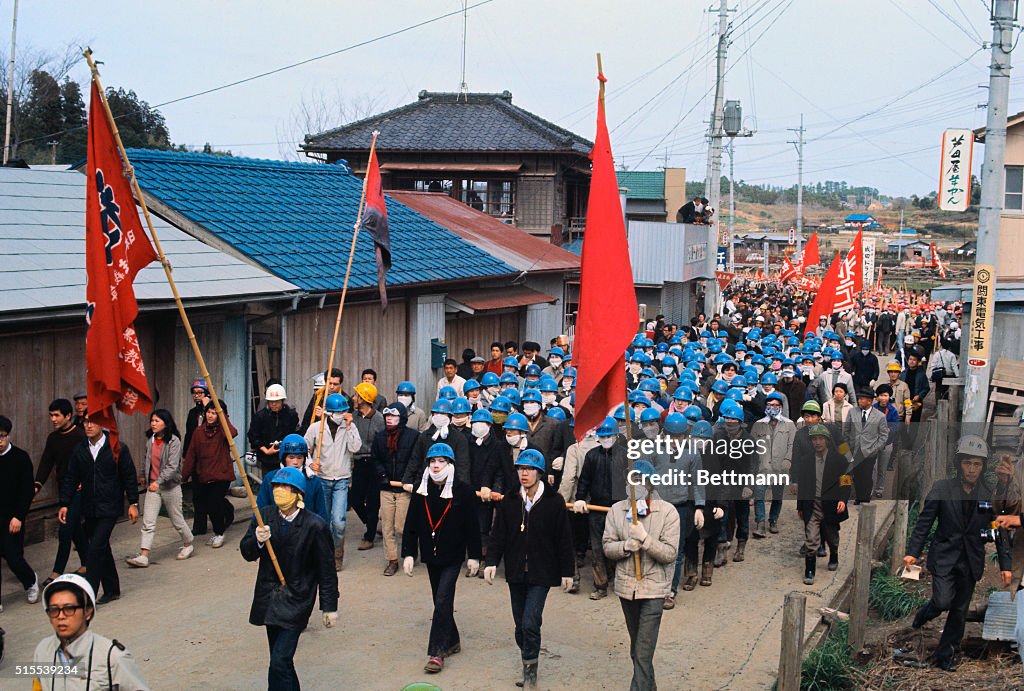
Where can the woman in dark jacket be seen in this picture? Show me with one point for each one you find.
(390, 452)
(486, 452)
(442, 528)
(208, 461)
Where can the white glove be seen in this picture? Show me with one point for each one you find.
(330, 620)
(717, 513)
(407, 488)
(557, 463)
(579, 506)
(698, 518)
(485, 494)
(747, 493)
(566, 583)
(489, 572)
(637, 532)
(631, 545)
(473, 565)
(407, 565)
(262, 534)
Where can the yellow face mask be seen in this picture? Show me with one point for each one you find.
(286, 499)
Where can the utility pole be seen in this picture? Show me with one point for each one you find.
(713, 183)
(731, 149)
(463, 87)
(1004, 13)
(53, 151)
(10, 88)
(799, 144)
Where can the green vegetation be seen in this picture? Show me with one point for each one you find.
(828, 667)
(890, 598)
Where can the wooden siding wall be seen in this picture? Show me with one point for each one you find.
(368, 338)
(479, 331)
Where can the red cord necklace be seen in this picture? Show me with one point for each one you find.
(430, 521)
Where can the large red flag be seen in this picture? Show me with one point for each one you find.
(375, 220)
(825, 300)
(851, 275)
(608, 312)
(811, 257)
(116, 249)
(788, 272)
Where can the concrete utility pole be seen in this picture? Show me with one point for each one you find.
(713, 183)
(10, 87)
(799, 144)
(731, 149)
(1004, 13)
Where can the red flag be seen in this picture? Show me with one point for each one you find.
(608, 312)
(375, 221)
(810, 257)
(724, 279)
(825, 300)
(116, 249)
(851, 275)
(788, 271)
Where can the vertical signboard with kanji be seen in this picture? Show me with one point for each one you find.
(979, 334)
(869, 262)
(955, 170)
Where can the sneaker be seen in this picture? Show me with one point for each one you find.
(670, 601)
(365, 545)
(599, 594)
(217, 541)
(185, 552)
(32, 593)
(773, 526)
(139, 561)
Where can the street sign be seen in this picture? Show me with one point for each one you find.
(869, 262)
(955, 170)
(979, 332)
(721, 256)
(792, 236)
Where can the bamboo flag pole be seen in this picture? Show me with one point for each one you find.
(341, 303)
(181, 311)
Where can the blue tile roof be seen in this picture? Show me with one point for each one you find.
(857, 218)
(296, 219)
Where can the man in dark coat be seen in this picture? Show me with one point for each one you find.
(823, 488)
(956, 557)
(16, 493)
(304, 549)
(391, 453)
(270, 425)
(864, 365)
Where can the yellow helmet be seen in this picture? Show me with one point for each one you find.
(367, 391)
(894, 367)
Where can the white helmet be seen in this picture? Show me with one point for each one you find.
(972, 445)
(275, 392)
(318, 381)
(77, 581)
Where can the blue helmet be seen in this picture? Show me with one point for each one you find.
(720, 387)
(690, 386)
(293, 444)
(661, 347)
(517, 421)
(776, 396)
(741, 347)
(530, 458)
(638, 356)
(769, 378)
(532, 396)
(292, 477)
(557, 412)
(513, 397)
(731, 410)
(461, 406)
(489, 379)
(508, 378)
(441, 450)
(620, 413)
(336, 403)
(557, 351)
(650, 385)
(668, 361)
(687, 375)
(675, 423)
(649, 415)
(533, 370)
(702, 430)
(739, 380)
(722, 359)
(693, 413)
(570, 373)
(644, 467)
(470, 385)
(638, 340)
(547, 385)
(405, 387)
(683, 394)
(481, 415)
(648, 373)
(530, 384)
(442, 405)
(447, 392)
(501, 404)
(638, 396)
(648, 343)
(608, 428)
(735, 395)
(510, 362)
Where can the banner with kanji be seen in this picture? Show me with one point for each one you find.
(851, 276)
(724, 279)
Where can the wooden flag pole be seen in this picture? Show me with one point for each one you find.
(181, 312)
(341, 304)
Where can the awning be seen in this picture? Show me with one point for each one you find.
(456, 167)
(472, 301)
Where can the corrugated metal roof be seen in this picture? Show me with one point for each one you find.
(642, 184)
(509, 244)
(296, 220)
(499, 298)
(42, 241)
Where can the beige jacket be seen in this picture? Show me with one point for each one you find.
(572, 467)
(657, 552)
(122, 672)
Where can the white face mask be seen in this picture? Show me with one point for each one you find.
(531, 409)
(787, 373)
(337, 418)
(634, 368)
(406, 401)
(480, 429)
(606, 442)
(650, 430)
(837, 364)
(667, 371)
(849, 342)
(567, 383)
(549, 398)
(555, 361)
(493, 390)
(460, 420)
(513, 439)
(439, 421)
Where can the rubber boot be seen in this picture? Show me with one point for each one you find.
(706, 569)
(810, 566)
(833, 558)
(759, 529)
(689, 575)
(529, 676)
(741, 545)
(339, 555)
(722, 555)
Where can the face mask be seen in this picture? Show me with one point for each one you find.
(549, 398)
(606, 442)
(555, 361)
(492, 391)
(667, 371)
(649, 352)
(703, 341)
(391, 420)
(760, 369)
(480, 429)
(848, 342)
(567, 383)
(651, 430)
(622, 428)
(499, 418)
(285, 499)
(806, 368)
(439, 421)
(460, 420)
(531, 409)
(773, 412)
(837, 364)
(337, 417)
(513, 439)
(634, 368)
(768, 388)
(406, 401)
(787, 373)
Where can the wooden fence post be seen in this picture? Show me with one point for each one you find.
(861, 576)
(791, 656)
(899, 536)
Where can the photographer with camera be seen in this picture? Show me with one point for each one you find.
(956, 558)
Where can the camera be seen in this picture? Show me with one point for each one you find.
(987, 534)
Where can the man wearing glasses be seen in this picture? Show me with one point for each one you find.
(74, 657)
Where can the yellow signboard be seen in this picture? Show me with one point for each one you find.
(979, 331)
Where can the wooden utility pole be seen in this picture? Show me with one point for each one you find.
(861, 576)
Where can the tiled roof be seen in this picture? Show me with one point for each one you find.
(453, 122)
(642, 184)
(42, 242)
(296, 220)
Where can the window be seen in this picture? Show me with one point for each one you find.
(1014, 198)
(425, 185)
(493, 197)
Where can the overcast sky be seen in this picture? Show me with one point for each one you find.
(836, 62)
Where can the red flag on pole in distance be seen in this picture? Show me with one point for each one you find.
(811, 257)
(851, 275)
(375, 220)
(116, 249)
(608, 312)
(788, 271)
(826, 297)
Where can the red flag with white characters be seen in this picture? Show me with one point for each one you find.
(851, 275)
(724, 279)
(116, 249)
(788, 271)
(825, 300)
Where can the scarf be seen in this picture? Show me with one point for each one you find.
(441, 432)
(392, 439)
(447, 476)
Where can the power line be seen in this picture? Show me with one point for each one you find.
(957, 24)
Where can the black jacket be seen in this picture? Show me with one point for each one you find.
(457, 534)
(958, 535)
(196, 417)
(266, 428)
(746, 462)
(865, 369)
(105, 482)
(392, 466)
(17, 489)
(418, 463)
(485, 463)
(305, 553)
(536, 544)
(835, 485)
(603, 478)
(547, 437)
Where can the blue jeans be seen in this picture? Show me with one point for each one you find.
(336, 496)
(281, 676)
(684, 510)
(527, 611)
(776, 508)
